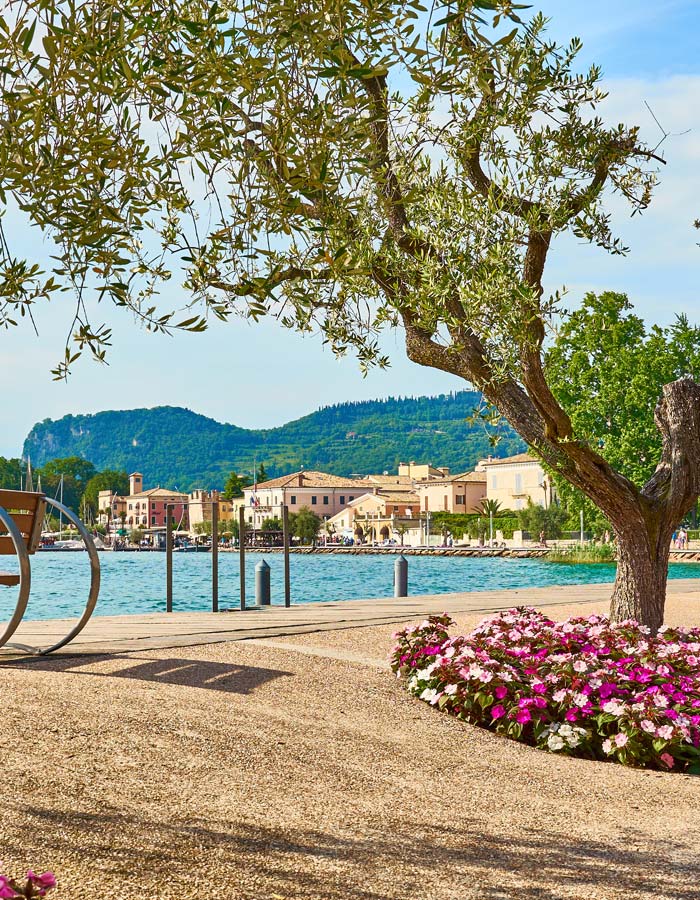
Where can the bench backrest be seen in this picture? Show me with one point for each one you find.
(27, 510)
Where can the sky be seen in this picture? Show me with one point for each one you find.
(261, 375)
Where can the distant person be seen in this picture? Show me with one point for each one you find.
(543, 539)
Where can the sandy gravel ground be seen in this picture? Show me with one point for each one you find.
(250, 771)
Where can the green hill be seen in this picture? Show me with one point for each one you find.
(175, 447)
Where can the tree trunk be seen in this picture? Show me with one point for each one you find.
(642, 573)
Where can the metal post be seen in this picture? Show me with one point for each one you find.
(285, 541)
(169, 510)
(215, 555)
(241, 552)
(491, 528)
(262, 584)
(581, 525)
(401, 577)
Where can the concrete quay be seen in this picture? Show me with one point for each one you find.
(129, 633)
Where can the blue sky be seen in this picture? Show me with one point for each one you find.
(262, 375)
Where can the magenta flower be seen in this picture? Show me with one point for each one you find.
(497, 712)
(500, 691)
(523, 716)
(5, 889)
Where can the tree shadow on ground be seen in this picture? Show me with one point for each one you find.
(196, 673)
(365, 862)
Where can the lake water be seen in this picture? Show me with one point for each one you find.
(135, 582)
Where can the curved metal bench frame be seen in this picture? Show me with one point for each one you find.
(26, 580)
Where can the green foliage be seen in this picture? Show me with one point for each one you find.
(473, 524)
(272, 524)
(262, 475)
(108, 480)
(607, 369)
(136, 535)
(76, 473)
(203, 527)
(234, 486)
(11, 473)
(582, 553)
(337, 152)
(178, 448)
(305, 525)
(536, 519)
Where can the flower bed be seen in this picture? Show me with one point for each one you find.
(32, 887)
(584, 687)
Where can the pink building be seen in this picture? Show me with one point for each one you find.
(324, 494)
(148, 509)
(454, 493)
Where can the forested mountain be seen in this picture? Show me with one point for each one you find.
(175, 447)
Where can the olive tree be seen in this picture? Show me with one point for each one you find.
(344, 168)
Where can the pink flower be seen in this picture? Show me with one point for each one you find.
(45, 880)
(497, 712)
(500, 691)
(648, 726)
(621, 739)
(665, 732)
(667, 759)
(5, 889)
(523, 716)
(571, 715)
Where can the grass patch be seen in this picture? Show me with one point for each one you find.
(582, 553)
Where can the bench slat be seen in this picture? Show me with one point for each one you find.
(9, 579)
(24, 521)
(20, 500)
(7, 548)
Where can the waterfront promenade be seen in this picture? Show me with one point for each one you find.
(271, 756)
(154, 631)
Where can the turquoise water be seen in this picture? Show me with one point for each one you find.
(135, 582)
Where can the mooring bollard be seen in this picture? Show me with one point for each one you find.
(401, 577)
(262, 584)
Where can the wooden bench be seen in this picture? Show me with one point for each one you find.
(21, 518)
(26, 509)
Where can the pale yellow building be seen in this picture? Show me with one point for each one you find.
(201, 505)
(322, 493)
(515, 479)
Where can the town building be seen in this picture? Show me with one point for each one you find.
(322, 493)
(453, 493)
(375, 515)
(144, 509)
(200, 506)
(514, 480)
(421, 471)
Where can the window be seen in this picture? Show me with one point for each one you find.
(325, 501)
(293, 500)
(131, 506)
(445, 502)
(350, 499)
(313, 500)
(153, 520)
(342, 500)
(459, 499)
(494, 482)
(396, 509)
(518, 484)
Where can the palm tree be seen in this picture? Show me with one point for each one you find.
(490, 507)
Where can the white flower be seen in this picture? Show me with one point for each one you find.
(660, 701)
(607, 746)
(451, 689)
(559, 696)
(554, 742)
(580, 666)
(429, 695)
(580, 699)
(614, 707)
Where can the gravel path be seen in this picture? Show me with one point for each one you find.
(249, 771)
